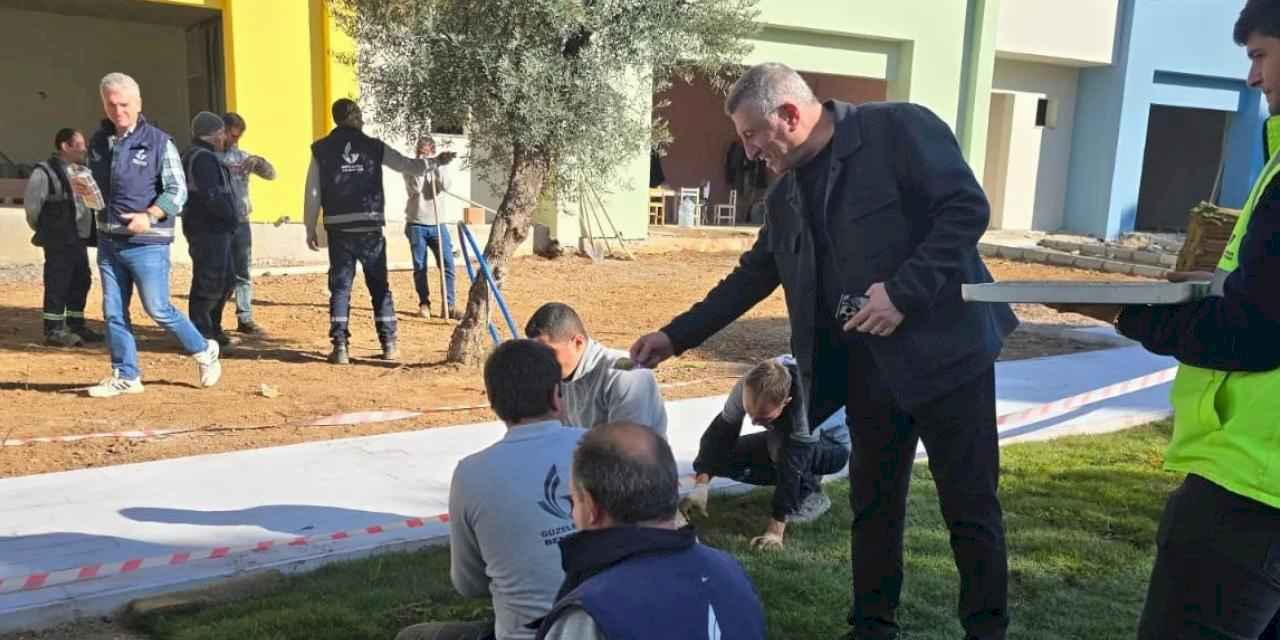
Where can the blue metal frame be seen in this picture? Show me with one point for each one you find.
(468, 239)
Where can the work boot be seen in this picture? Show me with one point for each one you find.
(390, 351)
(62, 338)
(251, 328)
(339, 355)
(455, 313)
(87, 335)
(424, 310)
(811, 509)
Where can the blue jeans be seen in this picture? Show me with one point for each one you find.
(369, 248)
(121, 265)
(241, 257)
(423, 237)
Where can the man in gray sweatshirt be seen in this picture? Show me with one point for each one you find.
(509, 503)
(600, 385)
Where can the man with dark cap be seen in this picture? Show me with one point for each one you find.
(209, 224)
(345, 180)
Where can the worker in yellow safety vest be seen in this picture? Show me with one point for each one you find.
(1217, 568)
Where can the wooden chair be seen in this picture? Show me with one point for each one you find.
(657, 207)
(728, 212)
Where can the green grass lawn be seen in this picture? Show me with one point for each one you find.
(1080, 516)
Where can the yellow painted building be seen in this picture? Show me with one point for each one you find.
(269, 60)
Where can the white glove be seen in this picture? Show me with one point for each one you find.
(767, 542)
(696, 501)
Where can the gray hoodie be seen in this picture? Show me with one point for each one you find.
(603, 390)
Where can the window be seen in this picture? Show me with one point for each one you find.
(1047, 113)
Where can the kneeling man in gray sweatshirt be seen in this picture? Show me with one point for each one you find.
(600, 384)
(509, 503)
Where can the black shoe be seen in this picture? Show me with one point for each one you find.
(339, 355)
(62, 338)
(222, 339)
(455, 313)
(88, 335)
(250, 328)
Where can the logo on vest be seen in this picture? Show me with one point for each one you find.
(351, 161)
(553, 505)
(713, 623)
(140, 158)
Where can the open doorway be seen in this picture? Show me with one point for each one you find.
(56, 52)
(701, 149)
(1180, 166)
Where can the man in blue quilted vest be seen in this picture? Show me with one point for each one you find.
(139, 171)
(628, 559)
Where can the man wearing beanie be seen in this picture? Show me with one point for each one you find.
(209, 223)
(345, 180)
(139, 171)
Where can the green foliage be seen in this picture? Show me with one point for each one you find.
(559, 77)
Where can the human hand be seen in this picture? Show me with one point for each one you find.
(313, 242)
(767, 542)
(650, 350)
(138, 222)
(696, 501)
(878, 317)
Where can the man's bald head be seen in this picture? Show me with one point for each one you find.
(629, 471)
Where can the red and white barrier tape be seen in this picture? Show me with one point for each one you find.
(48, 579)
(94, 571)
(339, 420)
(1069, 404)
(130, 435)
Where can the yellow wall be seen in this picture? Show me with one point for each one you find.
(280, 77)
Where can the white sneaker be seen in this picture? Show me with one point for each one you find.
(210, 365)
(115, 385)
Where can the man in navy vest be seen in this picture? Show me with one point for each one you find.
(345, 179)
(139, 171)
(64, 229)
(209, 224)
(628, 561)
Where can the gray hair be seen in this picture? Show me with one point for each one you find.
(629, 471)
(116, 80)
(765, 87)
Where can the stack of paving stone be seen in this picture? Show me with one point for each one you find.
(1208, 231)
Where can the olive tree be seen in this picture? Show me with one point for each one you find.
(547, 90)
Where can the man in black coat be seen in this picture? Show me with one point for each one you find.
(876, 207)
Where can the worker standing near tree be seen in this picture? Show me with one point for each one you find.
(345, 180)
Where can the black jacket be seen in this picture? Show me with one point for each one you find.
(1237, 331)
(903, 208)
(211, 200)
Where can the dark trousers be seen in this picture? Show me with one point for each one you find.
(755, 456)
(67, 281)
(369, 248)
(241, 258)
(211, 280)
(959, 434)
(421, 238)
(1217, 571)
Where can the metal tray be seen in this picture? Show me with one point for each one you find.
(1053, 292)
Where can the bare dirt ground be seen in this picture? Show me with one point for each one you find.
(41, 388)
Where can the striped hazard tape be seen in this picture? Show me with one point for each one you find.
(48, 579)
(1069, 404)
(177, 559)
